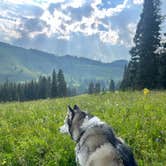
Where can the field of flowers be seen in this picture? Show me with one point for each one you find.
(29, 131)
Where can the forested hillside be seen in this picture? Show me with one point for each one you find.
(21, 64)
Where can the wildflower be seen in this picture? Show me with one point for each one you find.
(116, 92)
(146, 91)
(4, 162)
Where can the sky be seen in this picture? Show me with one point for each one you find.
(96, 29)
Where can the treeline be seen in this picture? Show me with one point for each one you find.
(147, 67)
(96, 87)
(45, 87)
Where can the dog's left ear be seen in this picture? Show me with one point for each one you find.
(71, 111)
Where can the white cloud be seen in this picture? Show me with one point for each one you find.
(36, 33)
(119, 8)
(63, 25)
(41, 3)
(128, 42)
(132, 30)
(110, 37)
(102, 13)
(73, 4)
(138, 2)
(132, 27)
(60, 24)
(56, 24)
(9, 28)
(86, 23)
(95, 3)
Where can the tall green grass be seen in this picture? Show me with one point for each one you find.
(29, 131)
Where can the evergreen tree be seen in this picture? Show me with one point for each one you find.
(91, 88)
(20, 92)
(43, 88)
(48, 86)
(6, 91)
(26, 91)
(71, 91)
(97, 88)
(62, 87)
(148, 65)
(112, 86)
(54, 90)
(125, 82)
(162, 65)
(143, 67)
(103, 89)
(13, 91)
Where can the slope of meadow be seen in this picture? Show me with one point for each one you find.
(29, 134)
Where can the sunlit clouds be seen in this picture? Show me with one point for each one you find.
(57, 18)
(57, 25)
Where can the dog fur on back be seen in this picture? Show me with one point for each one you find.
(97, 145)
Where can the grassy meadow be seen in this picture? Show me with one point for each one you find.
(29, 131)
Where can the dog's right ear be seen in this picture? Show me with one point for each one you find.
(76, 108)
(70, 110)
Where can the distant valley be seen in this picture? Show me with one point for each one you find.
(20, 64)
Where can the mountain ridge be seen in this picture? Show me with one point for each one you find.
(21, 64)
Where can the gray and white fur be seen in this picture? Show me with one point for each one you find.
(97, 144)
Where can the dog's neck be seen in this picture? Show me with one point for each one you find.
(88, 122)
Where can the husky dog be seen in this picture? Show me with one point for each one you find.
(97, 145)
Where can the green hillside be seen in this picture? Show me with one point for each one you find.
(29, 131)
(21, 64)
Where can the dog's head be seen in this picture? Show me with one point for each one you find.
(74, 121)
(77, 121)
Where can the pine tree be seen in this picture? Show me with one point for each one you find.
(7, 95)
(97, 88)
(20, 92)
(125, 82)
(162, 65)
(112, 86)
(43, 88)
(148, 66)
(143, 67)
(71, 91)
(91, 88)
(48, 86)
(54, 90)
(62, 87)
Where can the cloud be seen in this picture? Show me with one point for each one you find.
(27, 10)
(34, 24)
(128, 41)
(54, 6)
(102, 13)
(39, 3)
(131, 29)
(18, 20)
(109, 37)
(73, 4)
(78, 13)
(9, 27)
(98, 29)
(62, 18)
(57, 23)
(138, 2)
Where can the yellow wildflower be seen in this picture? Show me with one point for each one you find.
(146, 91)
(4, 162)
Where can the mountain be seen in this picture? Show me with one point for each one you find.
(20, 64)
